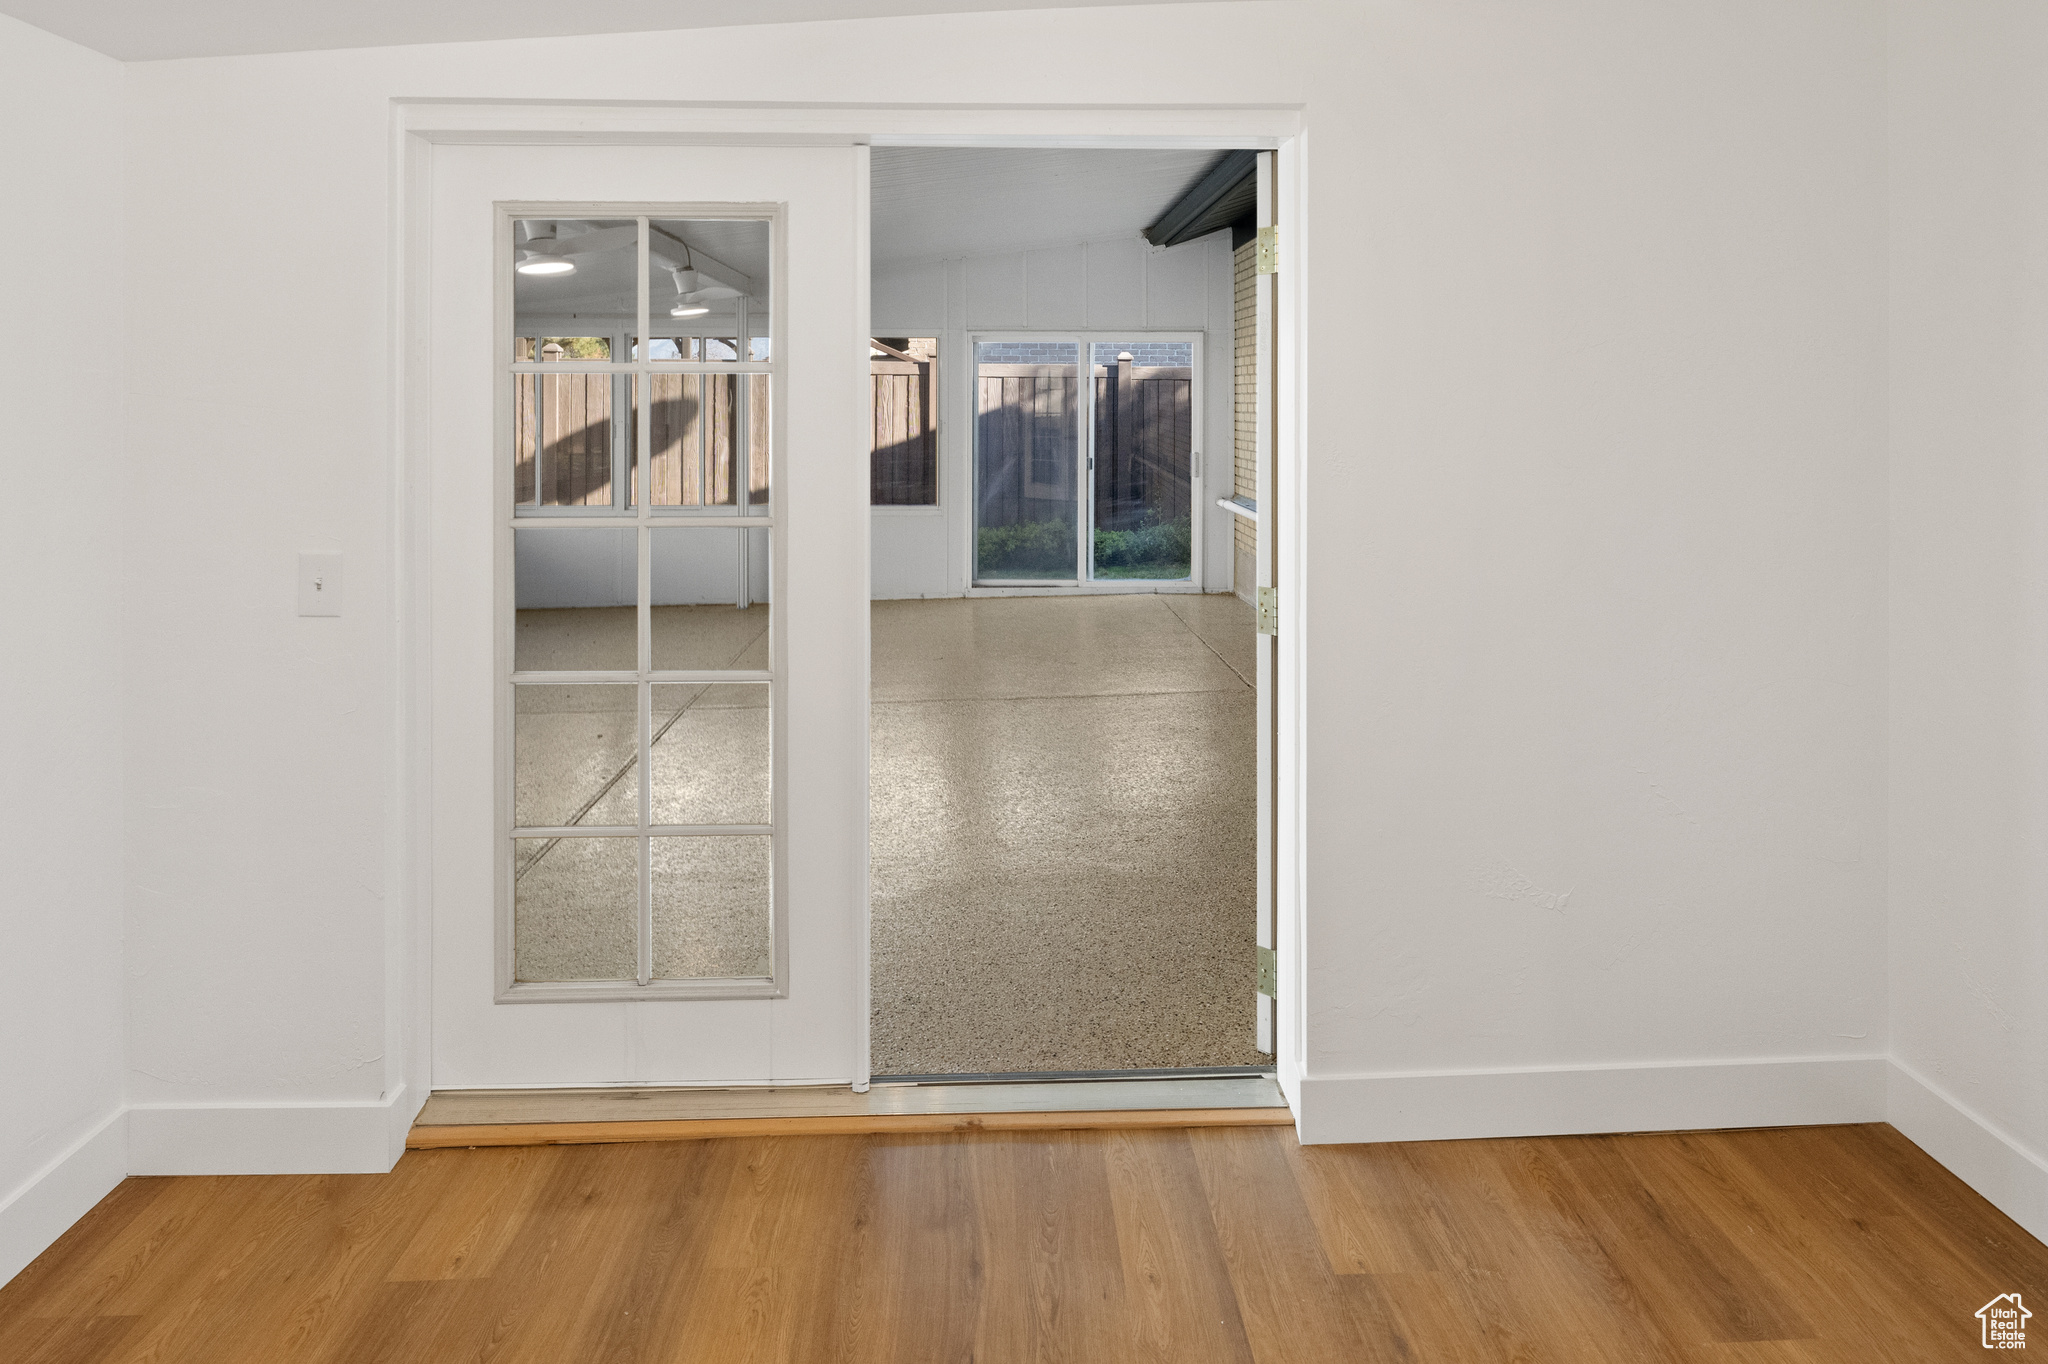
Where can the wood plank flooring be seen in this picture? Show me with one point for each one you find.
(1813, 1245)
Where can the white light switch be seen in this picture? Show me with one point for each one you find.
(319, 584)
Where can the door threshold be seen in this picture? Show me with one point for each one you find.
(553, 1117)
(1025, 1077)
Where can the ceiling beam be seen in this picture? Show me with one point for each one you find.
(673, 253)
(1193, 214)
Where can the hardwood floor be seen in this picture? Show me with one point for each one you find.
(1222, 1244)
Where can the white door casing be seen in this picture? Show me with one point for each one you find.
(1266, 575)
(815, 1028)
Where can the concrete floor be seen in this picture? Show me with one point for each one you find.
(1063, 834)
(1063, 824)
(575, 900)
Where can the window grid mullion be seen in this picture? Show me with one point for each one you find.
(634, 830)
(700, 677)
(634, 449)
(646, 727)
(631, 366)
(644, 746)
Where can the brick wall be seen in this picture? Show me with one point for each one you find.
(1027, 352)
(1167, 354)
(1159, 354)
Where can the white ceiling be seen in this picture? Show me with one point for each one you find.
(953, 201)
(927, 202)
(149, 30)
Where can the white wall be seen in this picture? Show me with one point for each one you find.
(262, 785)
(1969, 574)
(1604, 692)
(1594, 532)
(1596, 569)
(688, 567)
(1090, 285)
(61, 563)
(273, 892)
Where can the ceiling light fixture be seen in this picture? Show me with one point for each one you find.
(545, 265)
(687, 282)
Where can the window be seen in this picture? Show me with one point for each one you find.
(904, 451)
(641, 687)
(1084, 458)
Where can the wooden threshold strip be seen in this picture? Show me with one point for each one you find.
(838, 1125)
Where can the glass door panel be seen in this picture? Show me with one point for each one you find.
(565, 453)
(630, 590)
(1143, 459)
(1027, 456)
(651, 896)
(575, 907)
(700, 425)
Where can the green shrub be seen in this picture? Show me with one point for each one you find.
(1033, 548)
(1037, 549)
(1158, 544)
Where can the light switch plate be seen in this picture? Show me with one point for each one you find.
(319, 584)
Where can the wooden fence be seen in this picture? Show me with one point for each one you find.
(1025, 425)
(573, 416)
(1024, 448)
(903, 468)
(694, 426)
(1025, 443)
(1144, 444)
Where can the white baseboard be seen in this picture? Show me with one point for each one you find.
(33, 1216)
(1569, 1100)
(369, 1137)
(1289, 1079)
(269, 1139)
(398, 1118)
(1993, 1162)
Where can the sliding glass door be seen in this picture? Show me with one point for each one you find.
(1085, 465)
(1027, 456)
(1143, 459)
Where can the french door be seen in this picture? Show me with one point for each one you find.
(650, 615)
(1086, 459)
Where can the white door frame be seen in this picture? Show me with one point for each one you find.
(417, 126)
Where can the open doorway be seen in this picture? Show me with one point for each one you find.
(1065, 810)
(642, 429)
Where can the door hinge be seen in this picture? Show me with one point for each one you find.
(1269, 251)
(1269, 973)
(1269, 611)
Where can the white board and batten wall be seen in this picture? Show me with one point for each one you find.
(1105, 285)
